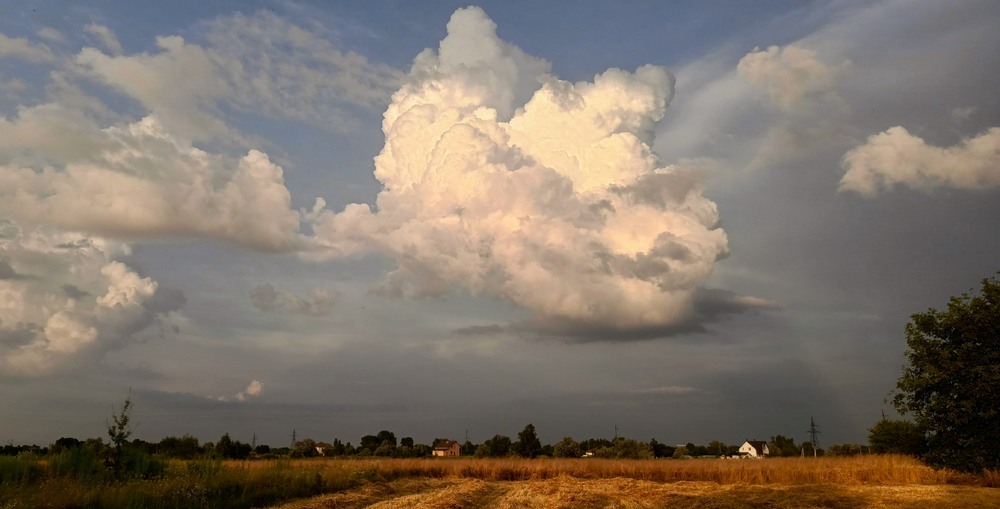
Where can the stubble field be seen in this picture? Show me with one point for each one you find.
(861, 482)
(74, 480)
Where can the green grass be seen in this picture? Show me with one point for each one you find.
(81, 481)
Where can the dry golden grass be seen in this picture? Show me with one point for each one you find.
(887, 469)
(847, 483)
(618, 493)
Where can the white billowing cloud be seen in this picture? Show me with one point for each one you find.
(896, 157)
(316, 303)
(66, 295)
(787, 75)
(138, 181)
(108, 39)
(253, 390)
(126, 288)
(65, 333)
(564, 209)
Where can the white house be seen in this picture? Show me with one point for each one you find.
(754, 449)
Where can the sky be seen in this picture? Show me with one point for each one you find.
(689, 221)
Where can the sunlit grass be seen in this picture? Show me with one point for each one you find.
(80, 481)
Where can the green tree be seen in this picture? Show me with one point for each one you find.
(468, 448)
(421, 450)
(717, 448)
(781, 445)
(527, 444)
(305, 449)
(64, 443)
(386, 449)
(119, 429)
(681, 452)
(386, 436)
(370, 442)
(896, 437)
(566, 448)
(951, 384)
(186, 447)
(661, 450)
(225, 447)
(626, 448)
(498, 446)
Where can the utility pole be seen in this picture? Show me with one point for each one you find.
(293, 439)
(616, 432)
(813, 435)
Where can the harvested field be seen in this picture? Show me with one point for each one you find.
(571, 493)
(861, 482)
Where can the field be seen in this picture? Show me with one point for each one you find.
(866, 481)
(861, 482)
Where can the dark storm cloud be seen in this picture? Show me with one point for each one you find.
(7, 272)
(74, 292)
(710, 306)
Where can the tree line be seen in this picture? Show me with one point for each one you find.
(385, 444)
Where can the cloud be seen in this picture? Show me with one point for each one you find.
(265, 298)
(106, 36)
(260, 64)
(669, 389)
(51, 34)
(252, 391)
(301, 76)
(73, 163)
(896, 157)
(802, 90)
(563, 209)
(8, 272)
(787, 75)
(138, 181)
(23, 49)
(74, 299)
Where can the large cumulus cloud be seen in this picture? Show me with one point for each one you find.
(498, 178)
(66, 295)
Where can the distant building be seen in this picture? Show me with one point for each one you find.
(754, 449)
(448, 448)
(322, 448)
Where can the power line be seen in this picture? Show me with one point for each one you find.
(813, 435)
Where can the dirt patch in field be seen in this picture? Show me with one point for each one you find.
(565, 492)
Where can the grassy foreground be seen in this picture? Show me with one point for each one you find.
(865, 481)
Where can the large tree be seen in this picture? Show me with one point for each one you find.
(527, 444)
(898, 437)
(952, 383)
